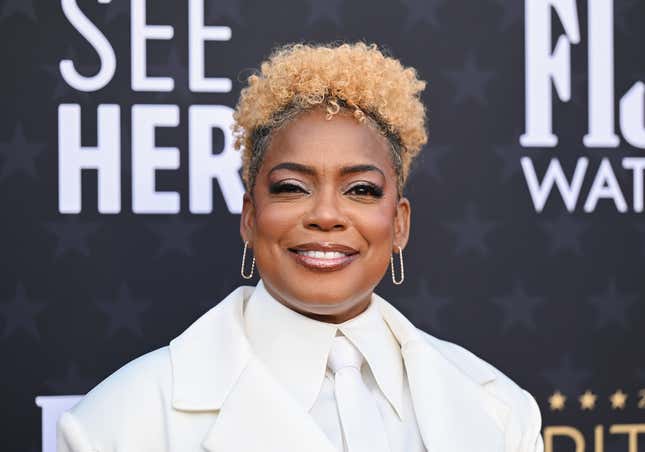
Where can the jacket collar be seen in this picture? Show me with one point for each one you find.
(295, 347)
(214, 369)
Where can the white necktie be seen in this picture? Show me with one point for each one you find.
(359, 415)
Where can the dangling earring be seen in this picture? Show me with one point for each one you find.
(250, 275)
(392, 267)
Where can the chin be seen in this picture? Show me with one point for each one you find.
(324, 298)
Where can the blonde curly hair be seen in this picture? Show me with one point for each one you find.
(356, 77)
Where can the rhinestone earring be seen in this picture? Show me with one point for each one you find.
(401, 265)
(250, 275)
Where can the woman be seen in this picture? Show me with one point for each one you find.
(311, 359)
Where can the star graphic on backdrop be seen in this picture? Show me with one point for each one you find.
(71, 382)
(429, 161)
(175, 235)
(11, 7)
(470, 232)
(328, 11)
(518, 307)
(19, 314)
(175, 67)
(123, 312)
(612, 306)
(512, 12)
(618, 400)
(470, 81)
(640, 374)
(640, 229)
(641, 398)
(19, 155)
(216, 10)
(227, 279)
(510, 155)
(425, 306)
(623, 11)
(566, 376)
(587, 400)
(115, 9)
(72, 234)
(564, 233)
(422, 11)
(557, 401)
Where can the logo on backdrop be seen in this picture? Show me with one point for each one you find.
(548, 74)
(204, 167)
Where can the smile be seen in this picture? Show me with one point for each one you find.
(323, 257)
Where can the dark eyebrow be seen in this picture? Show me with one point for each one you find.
(293, 166)
(360, 169)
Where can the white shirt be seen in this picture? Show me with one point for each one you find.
(295, 349)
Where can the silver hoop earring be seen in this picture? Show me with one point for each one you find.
(401, 265)
(250, 275)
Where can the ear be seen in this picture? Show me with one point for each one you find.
(401, 224)
(247, 219)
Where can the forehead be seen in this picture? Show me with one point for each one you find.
(312, 139)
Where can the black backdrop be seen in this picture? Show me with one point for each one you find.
(551, 295)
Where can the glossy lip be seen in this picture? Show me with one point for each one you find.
(324, 265)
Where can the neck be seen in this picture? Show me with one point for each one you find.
(336, 313)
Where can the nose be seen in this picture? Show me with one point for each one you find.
(325, 213)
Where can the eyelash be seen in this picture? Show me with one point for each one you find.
(369, 189)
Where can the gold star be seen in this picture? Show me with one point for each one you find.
(557, 401)
(588, 400)
(618, 400)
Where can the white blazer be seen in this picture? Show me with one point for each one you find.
(207, 391)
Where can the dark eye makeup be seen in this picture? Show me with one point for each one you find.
(362, 189)
(285, 187)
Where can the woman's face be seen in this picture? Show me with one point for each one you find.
(324, 217)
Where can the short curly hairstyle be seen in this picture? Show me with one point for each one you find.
(357, 77)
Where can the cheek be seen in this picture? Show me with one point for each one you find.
(376, 226)
(273, 221)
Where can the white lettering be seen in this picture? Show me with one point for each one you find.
(637, 164)
(540, 191)
(605, 185)
(146, 158)
(204, 166)
(140, 33)
(52, 407)
(544, 66)
(632, 117)
(100, 44)
(105, 158)
(600, 54)
(198, 34)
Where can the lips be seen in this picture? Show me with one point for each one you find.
(323, 256)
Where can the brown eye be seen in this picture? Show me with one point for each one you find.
(365, 189)
(286, 187)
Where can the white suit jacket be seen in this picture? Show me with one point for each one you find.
(206, 390)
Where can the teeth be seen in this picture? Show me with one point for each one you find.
(322, 254)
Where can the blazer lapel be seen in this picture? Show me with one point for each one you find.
(259, 415)
(453, 409)
(215, 369)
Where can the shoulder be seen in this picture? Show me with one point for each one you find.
(524, 410)
(129, 399)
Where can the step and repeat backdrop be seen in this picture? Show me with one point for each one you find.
(120, 191)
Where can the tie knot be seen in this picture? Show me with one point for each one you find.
(344, 354)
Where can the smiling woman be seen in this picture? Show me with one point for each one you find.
(324, 215)
(311, 358)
